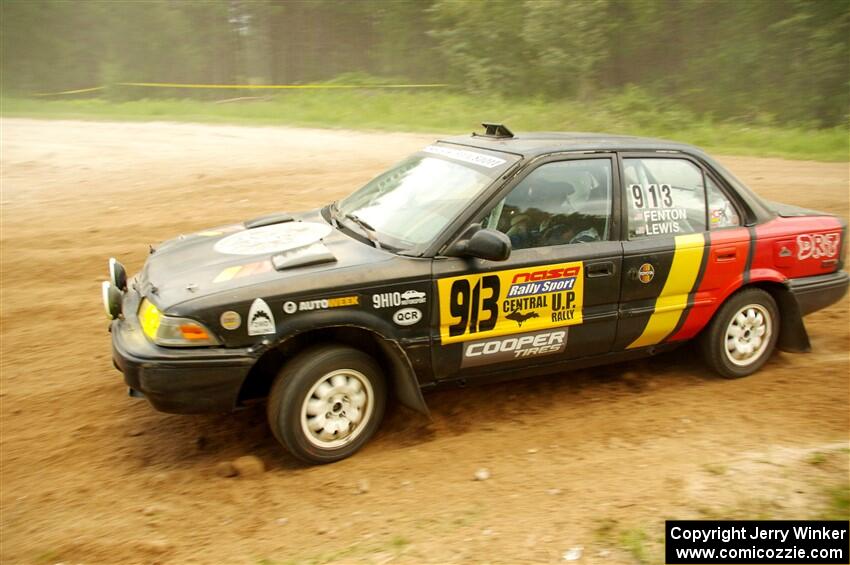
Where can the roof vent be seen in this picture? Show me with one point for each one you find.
(498, 131)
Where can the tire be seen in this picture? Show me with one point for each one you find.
(326, 403)
(742, 335)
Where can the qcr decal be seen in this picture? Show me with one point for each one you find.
(508, 302)
(487, 351)
(407, 316)
(817, 246)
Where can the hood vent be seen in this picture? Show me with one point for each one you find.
(313, 254)
(277, 218)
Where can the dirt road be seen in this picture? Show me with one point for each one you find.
(593, 459)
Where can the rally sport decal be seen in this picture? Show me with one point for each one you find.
(507, 302)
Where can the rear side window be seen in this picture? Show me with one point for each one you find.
(665, 196)
(721, 211)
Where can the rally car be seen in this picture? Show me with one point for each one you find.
(481, 257)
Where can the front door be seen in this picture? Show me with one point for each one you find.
(556, 297)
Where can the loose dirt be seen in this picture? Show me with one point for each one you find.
(592, 459)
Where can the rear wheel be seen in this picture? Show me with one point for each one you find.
(327, 403)
(742, 335)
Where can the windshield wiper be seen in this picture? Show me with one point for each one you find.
(367, 229)
(333, 211)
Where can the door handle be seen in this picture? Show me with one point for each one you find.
(725, 254)
(600, 269)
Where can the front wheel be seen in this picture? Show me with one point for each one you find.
(742, 335)
(326, 403)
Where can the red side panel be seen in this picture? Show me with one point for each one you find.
(778, 250)
(788, 248)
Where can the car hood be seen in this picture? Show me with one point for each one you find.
(302, 253)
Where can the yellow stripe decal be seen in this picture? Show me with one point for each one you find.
(674, 296)
(227, 274)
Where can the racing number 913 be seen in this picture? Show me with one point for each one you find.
(653, 191)
(468, 303)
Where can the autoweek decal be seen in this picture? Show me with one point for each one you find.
(507, 302)
(291, 307)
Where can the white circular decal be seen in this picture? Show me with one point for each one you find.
(230, 320)
(290, 307)
(274, 238)
(407, 316)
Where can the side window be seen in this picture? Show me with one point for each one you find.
(665, 197)
(721, 211)
(557, 203)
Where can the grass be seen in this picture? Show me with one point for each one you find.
(49, 556)
(838, 503)
(715, 468)
(631, 112)
(634, 541)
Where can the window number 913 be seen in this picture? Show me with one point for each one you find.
(659, 194)
(467, 304)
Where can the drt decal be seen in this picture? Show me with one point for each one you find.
(508, 302)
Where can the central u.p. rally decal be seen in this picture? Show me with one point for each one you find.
(508, 302)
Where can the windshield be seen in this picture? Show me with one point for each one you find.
(414, 201)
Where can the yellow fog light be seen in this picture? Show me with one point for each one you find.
(149, 318)
(170, 331)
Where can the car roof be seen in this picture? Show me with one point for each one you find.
(532, 144)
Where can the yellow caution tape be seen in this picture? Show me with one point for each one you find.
(276, 86)
(78, 91)
(245, 86)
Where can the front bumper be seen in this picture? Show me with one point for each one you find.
(184, 381)
(814, 293)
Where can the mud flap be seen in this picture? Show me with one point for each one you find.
(405, 383)
(793, 337)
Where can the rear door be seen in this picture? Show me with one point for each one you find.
(556, 297)
(683, 250)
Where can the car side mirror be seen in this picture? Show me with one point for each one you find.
(488, 244)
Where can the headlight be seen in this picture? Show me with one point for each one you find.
(117, 274)
(112, 299)
(173, 332)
